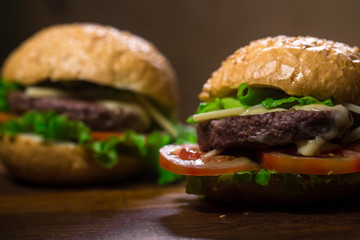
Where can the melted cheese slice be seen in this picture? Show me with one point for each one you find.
(341, 118)
(257, 109)
(238, 111)
(115, 106)
(39, 92)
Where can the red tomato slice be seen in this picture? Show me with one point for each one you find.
(344, 161)
(96, 135)
(188, 160)
(5, 117)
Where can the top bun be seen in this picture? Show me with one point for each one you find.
(301, 66)
(94, 53)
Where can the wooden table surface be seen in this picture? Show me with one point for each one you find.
(146, 211)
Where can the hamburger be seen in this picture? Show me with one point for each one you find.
(85, 103)
(278, 122)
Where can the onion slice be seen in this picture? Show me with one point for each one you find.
(219, 114)
(213, 152)
(354, 135)
(352, 107)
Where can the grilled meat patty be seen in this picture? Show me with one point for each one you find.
(268, 129)
(95, 115)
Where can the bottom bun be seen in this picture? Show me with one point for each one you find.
(272, 194)
(29, 158)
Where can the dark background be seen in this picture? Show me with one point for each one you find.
(196, 35)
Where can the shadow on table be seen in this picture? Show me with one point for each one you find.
(202, 218)
(12, 185)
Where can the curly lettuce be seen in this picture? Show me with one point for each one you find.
(48, 125)
(54, 127)
(293, 184)
(247, 96)
(5, 88)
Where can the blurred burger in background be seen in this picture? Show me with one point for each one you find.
(83, 103)
(278, 123)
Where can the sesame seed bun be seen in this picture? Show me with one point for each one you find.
(301, 66)
(94, 53)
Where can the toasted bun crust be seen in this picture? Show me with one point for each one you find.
(29, 158)
(302, 66)
(274, 193)
(94, 53)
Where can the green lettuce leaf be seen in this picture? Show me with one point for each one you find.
(206, 107)
(146, 147)
(48, 125)
(293, 184)
(186, 134)
(262, 177)
(292, 101)
(154, 142)
(194, 185)
(5, 88)
(105, 152)
(226, 178)
(209, 107)
(229, 102)
(249, 96)
(244, 177)
(51, 126)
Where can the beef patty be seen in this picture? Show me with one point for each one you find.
(268, 129)
(96, 116)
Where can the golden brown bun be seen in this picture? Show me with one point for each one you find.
(28, 158)
(303, 66)
(95, 53)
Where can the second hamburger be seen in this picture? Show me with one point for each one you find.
(86, 103)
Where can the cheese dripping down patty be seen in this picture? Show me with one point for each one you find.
(312, 147)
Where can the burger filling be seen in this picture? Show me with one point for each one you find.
(261, 118)
(260, 135)
(103, 115)
(103, 120)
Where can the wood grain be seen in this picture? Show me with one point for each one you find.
(142, 210)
